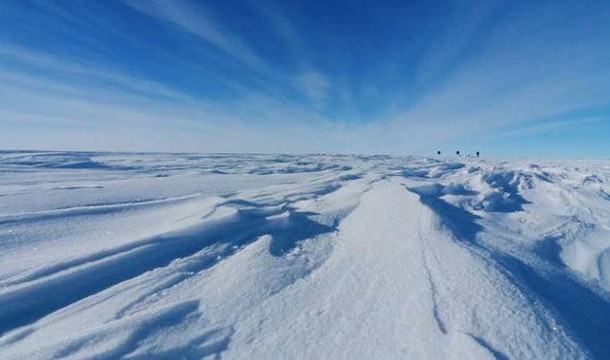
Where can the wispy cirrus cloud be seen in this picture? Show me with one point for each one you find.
(294, 77)
(548, 127)
(314, 85)
(192, 17)
(513, 78)
(70, 99)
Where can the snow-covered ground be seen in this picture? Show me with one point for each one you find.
(302, 257)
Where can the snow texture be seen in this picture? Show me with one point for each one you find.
(186, 256)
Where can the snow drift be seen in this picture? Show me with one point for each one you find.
(107, 255)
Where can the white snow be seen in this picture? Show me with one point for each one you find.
(112, 255)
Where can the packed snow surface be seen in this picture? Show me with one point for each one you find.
(186, 256)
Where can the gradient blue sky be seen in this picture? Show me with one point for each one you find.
(508, 78)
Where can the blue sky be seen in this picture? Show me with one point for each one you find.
(508, 78)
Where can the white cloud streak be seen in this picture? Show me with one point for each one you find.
(194, 18)
(508, 82)
(503, 82)
(550, 127)
(314, 85)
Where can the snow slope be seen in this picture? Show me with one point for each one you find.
(107, 255)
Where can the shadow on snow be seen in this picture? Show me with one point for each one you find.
(586, 312)
(60, 285)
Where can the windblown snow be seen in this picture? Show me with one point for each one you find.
(186, 256)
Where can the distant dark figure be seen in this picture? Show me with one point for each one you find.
(438, 152)
(457, 153)
(478, 154)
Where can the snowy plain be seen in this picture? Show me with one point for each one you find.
(188, 256)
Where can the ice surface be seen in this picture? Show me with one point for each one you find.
(113, 255)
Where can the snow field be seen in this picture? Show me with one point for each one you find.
(275, 256)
